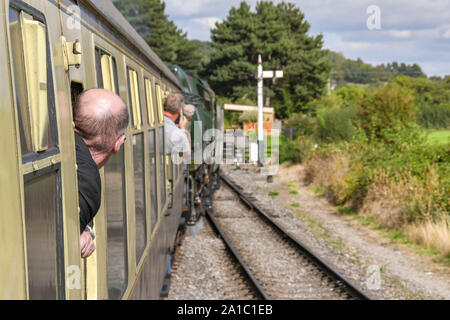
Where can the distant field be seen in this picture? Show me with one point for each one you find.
(439, 138)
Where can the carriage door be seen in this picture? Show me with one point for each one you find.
(74, 67)
(71, 41)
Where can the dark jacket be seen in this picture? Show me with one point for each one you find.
(89, 184)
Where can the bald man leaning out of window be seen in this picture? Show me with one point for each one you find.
(101, 119)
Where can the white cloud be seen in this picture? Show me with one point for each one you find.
(209, 22)
(402, 34)
(411, 30)
(198, 8)
(446, 32)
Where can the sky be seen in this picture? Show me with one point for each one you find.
(377, 31)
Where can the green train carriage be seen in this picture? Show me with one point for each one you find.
(50, 52)
(203, 176)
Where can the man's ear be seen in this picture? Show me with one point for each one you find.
(118, 144)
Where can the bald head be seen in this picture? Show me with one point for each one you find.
(189, 110)
(100, 116)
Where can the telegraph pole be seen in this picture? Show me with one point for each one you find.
(261, 76)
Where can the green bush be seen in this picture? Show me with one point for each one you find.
(350, 95)
(289, 150)
(335, 124)
(434, 116)
(387, 106)
(323, 103)
(304, 124)
(297, 150)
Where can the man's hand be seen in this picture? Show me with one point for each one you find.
(183, 123)
(86, 244)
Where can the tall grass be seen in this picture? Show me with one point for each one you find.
(433, 234)
(374, 158)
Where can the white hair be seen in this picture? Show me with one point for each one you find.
(189, 110)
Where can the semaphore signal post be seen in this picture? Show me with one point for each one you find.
(261, 76)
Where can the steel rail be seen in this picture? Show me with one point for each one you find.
(251, 279)
(339, 280)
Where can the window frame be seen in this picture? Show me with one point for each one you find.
(52, 152)
(98, 52)
(140, 255)
(151, 114)
(154, 218)
(136, 110)
(161, 162)
(38, 164)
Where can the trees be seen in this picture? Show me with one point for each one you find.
(392, 106)
(163, 36)
(279, 34)
(346, 71)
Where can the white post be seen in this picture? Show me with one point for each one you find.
(260, 114)
(261, 75)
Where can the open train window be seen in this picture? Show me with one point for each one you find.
(135, 104)
(33, 83)
(76, 89)
(115, 196)
(150, 105)
(35, 102)
(106, 68)
(159, 101)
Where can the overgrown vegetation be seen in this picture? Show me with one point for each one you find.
(368, 150)
(357, 72)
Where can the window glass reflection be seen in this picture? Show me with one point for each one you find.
(139, 194)
(153, 179)
(41, 213)
(116, 225)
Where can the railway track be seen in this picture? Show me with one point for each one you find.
(245, 271)
(219, 276)
(275, 264)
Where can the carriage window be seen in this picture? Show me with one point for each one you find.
(159, 99)
(150, 105)
(139, 194)
(76, 89)
(133, 91)
(163, 167)
(153, 187)
(115, 200)
(116, 225)
(107, 72)
(106, 69)
(32, 71)
(32, 80)
(41, 209)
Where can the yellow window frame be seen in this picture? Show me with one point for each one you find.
(159, 99)
(150, 105)
(107, 72)
(31, 45)
(134, 96)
